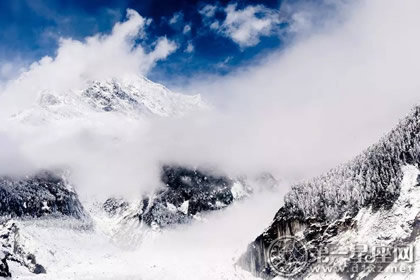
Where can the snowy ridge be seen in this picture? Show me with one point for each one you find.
(132, 97)
(326, 206)
(140, 95)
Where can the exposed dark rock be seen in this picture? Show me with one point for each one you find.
(13, 250)
(44, 194)
(114, 205)
(316, 207)
(186, 193)
(112, 98)
(4, 267)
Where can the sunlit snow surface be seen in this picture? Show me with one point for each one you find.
(205, 249)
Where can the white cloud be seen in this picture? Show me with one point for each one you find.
(187, 29)
(176, 18)
(97, 57)
(189, 48)
(163, 48)
(214, 25)
(208, 10)
(246, 26)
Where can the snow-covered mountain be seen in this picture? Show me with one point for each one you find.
(373, 200)
(133, 97)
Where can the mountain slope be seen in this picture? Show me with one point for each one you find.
(326, 207)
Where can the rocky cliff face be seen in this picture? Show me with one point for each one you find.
(327, 207)
(43, 194)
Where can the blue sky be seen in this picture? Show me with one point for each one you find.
(206, 44)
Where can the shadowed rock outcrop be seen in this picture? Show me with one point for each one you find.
(186, 194)
(43, 194)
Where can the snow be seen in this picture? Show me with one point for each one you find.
(45, 206)
(172, 208)
(184, 207)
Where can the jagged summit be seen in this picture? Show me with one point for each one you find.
(138, 94)
(132, 97)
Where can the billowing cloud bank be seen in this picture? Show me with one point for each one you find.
(327, 96)
(243, 26)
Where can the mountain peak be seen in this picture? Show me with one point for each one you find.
(133, 97)
(139, 94)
